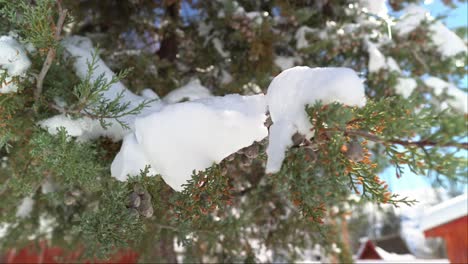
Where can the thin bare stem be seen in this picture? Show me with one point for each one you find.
(420, 143)
(51, 53)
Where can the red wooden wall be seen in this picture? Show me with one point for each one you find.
(44, 254)
(455, 234)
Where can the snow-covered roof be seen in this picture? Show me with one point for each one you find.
(393, 256)
(446, 212)
(389, 257)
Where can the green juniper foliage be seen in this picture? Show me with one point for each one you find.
(226, 211)
(92, 104)
(32, 22)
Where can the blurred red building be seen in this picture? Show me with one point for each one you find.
(42, 253)
(449, 220)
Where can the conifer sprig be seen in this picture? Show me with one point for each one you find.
(91, 101)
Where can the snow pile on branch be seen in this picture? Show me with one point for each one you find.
(393, 65)
(191, 91)
(13, 61)
(448, 43)
(285, 63)
(376, 7)
(25, 208)
(149, 94)
(191, 136)
(130, 160)
(377, 61)
(458, 99)
(81, 49)
(293, 89)
(405, 86)
(226, 77)
(177, 138)
(203, 131)
(412, 17)
(84, 128)
(301, 33)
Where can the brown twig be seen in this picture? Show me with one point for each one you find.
(420, 143)
(51, 53)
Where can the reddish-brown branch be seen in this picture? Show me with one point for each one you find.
(51, 53)
(420, 143)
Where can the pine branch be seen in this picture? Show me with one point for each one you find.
(52, 51)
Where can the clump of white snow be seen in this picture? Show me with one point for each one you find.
(405, 86)
(376, 7)
(3, 162)
(412, 17)
(4, 229)
(218, 45)
(301, 33)
(25, 208)
(81, 49)
(149, 94)
(130, 160)
(191, 91)
(284, 62)
(84, 128)
(191, 136)
(393, 65)
(48, 186)
(13, 61)
(292, 90)
(448, 43)
(13, 57)
(458, 99)
(226, 77)
(377, 61)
